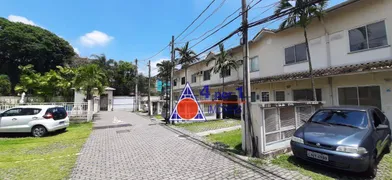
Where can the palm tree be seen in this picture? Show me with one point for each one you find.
(187, 57)
(164, 73)
(223, 62)
(100, 60)
(302, 16)
(89, 77)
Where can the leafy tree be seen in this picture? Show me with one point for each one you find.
(89, 77)
(223, 62)
(302, 16)
(124, 78)
(65, 82)
(79, 61)
(187, 57)
(5, 88)
(29, 80)
(164, 73)
(22, 44)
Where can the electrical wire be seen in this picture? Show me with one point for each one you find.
(195, 20)
(226, 24)
(220, 6)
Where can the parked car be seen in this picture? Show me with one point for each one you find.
(350, 138)
(37, 120)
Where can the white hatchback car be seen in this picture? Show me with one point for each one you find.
(35, 119)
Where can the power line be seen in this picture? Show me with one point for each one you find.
(262, 21)
(221, 4)
(181, 32)
(195, 19)
(226, 24)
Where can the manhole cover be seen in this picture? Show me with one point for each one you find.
(123, 131)
(112, 126)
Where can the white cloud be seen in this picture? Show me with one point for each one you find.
(95, 38)
(21, 19)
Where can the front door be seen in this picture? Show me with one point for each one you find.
(104, 102)
(9, 120)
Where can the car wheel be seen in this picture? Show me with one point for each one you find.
(39, 131)
(372, 171)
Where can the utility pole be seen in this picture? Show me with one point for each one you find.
(246, 82)
(149, 87)
(171, 76)
(136, 93)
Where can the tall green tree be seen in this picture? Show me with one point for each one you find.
(5, 88)
(89, 77)
(65, 82)
(223, 62)
(29, 81)
(123, 78)
(164, 73)
(22, 44)
(302, 16)
(187, 57)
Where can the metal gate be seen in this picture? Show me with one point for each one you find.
(280, 123)
(124, 103)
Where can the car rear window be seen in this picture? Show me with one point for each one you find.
(347, 117)
(58, 113)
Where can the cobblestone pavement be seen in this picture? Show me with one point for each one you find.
(147, 150)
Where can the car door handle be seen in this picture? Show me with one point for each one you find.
(14, 119)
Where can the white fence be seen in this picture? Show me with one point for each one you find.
(74, 110)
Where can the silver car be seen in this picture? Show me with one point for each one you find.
(37, 120)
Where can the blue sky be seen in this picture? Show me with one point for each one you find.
(130, 29)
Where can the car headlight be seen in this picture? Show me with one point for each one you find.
(351, 149)
(297, 139)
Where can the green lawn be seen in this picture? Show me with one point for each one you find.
(320, 173)
(208, 125)
(51, 157)
(230, 138)
(158, 117)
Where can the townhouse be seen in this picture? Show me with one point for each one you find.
(350, 51)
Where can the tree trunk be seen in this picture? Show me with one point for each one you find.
(310, 66)
(186, 75)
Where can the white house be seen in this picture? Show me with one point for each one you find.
(351, 56)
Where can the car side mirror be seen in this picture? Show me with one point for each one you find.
(382, 127)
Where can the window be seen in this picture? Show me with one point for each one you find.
(30, 111)
(376, 119)
(306, 95)
(342, 117)
(225, 72)
(295, 54)
(57, 113)
(194, 77)
(280, 96)
(264, 96)
(367, 37)
(175, 82)
(368, 96)
(254, 64)
(207, 75)
(183, 80)
(253, 97)
(13, 112)
(381, 115)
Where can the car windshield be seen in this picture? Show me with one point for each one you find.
(348, 118)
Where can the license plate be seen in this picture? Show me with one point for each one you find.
(318, 156)
(62, 122)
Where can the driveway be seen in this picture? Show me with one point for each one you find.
(124, 145)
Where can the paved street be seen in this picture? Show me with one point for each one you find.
(149, 151)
